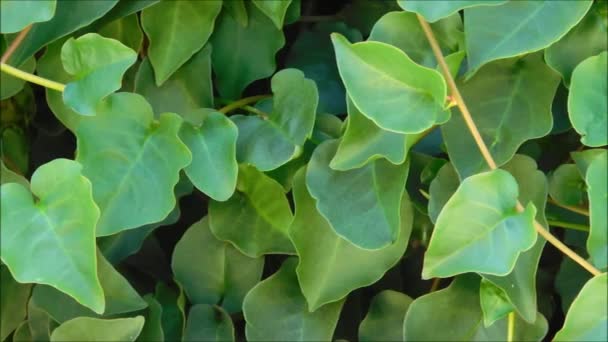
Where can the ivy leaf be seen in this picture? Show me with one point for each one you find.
(588, 38)
(276, 310)
(437, 10)
(225, 275)
(191, 21)
(126, 30)
(512, 29)
(520, 109)
(382, 80)
(208, 323)
(325, 258)
(97, 64)
(361, 205)
(236, 49)
(587, 106)
(492, 196)
(586, 319)
(117, 148)
(13, 304)
(275, 10)
(63, 213)
(119, 296)
(566, 185)
(213, 145)
(186, 90)
(596, 178)
(256, 218)
(69, 17)
(494, 303)
(16, 15)
(95, 329)
(384, 320)
(238, 11)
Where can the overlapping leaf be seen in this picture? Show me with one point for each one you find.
(17, 14)
(13, 303)
(433, 11)
(208, 323)
(275, 10)
(597, 185)
(96, 329)
(384, 320)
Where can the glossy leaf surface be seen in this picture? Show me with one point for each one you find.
(441, 9)
(17, 14)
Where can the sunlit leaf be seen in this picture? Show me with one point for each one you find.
(275, 10)
(433, 11)
(597, 187)
(17, 14)
(95, 329)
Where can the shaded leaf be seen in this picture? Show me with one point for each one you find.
(173, 317)
(126, 30)
(567, 186)
(14, 297)
(441, 9)
(8, 176)
(597, 187)
(441, 189)
(569, 281)
(152, 330)
(384, 320)
(494, 303)
(10, 85)
(95, 329)
(237, 10)
(208, 323)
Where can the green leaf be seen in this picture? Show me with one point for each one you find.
(39, 322)
(382, 80)
(275, 10)
(152, 330)
(186, 90)
(69, 17)
(177, 30)
(268, 143)
(433, 11)
(569, 281)
(460, 317)
(597, 185)
(566, 185)
(236, 49)
(587, 106)
(119, 296)
(126, 30)
(587, 318)
(588, 38)
(8, 176)
(326, 259)
(442, 187)
(173, 318)
(213, 146)
(492, 196)
(14, 297)
(363, 142)
(22, 333)
(95, 329)
(237, 10)
(222, 276)
(10, 85)
(36, 231)
(384, 320)
(276, 310)
(362, 205)
(494, 303)
(97, 64)
(514, 28)
(584, 158)
(208, 323)
(519, 109)
(17, 14)
(256, 218)
(118, 148)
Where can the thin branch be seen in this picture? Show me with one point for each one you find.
(484, 149)
(15, 44)
(568, 225)
(578, 210)
(242, 102)
(31, 77)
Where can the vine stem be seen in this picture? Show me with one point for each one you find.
(568, 225)
(573, 209)
(31, 77)
(510, 326)
(484, 149)
(242, 102)
(15, 44)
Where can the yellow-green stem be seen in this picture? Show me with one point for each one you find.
(242, 102)
(26, 76)
(568, 225)
(511, 326)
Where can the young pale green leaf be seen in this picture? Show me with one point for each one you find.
(237, 10)
(118, 148)
(186, 90)
(597, 185)
(119, 296)
(256, 218)
(69, 17)
(519, 109)
(514, 28)
(177, 30)
(384, 320)
(588, 38)
(326, 259)
(433, 11)
(567, 186)
(126, 30)
(15, 15)
(214, 167)
(587, 318)
(242, 55)
(36, 231)
(363, 142)
(491, 239)
(152, 330)
(208, 323)
(362, 205)
(13, 302)
(587, 106)
(222, 276)
(388, 87)
(460, 317)
(494, 303)
(275, 10)
(97, 64)
(96, 329)
(276, 310)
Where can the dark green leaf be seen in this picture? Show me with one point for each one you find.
(14, 297)
(208, 323)
(384, 320)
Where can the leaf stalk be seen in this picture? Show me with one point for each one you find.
(26, 76)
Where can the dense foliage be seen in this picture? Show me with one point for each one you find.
(304, 170)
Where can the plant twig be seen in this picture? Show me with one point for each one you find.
(424, 194)
(578, 210)
(484, 149)
(435, 285)
(31, 77)
(568, 225)
(15, 44)
(510, 326)
(242, 102)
